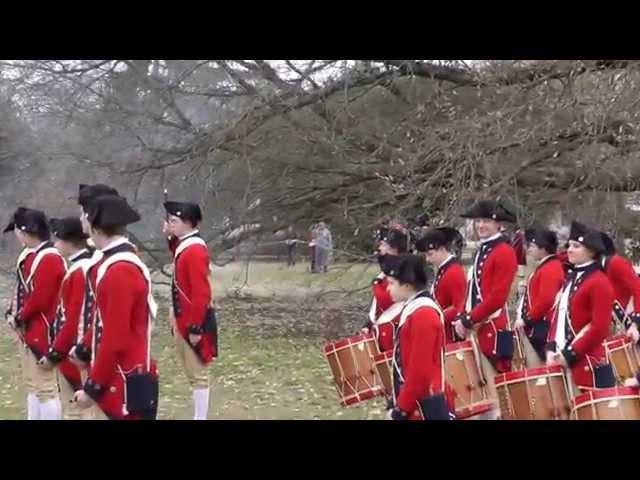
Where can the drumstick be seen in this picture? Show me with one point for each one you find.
(477, 356)
(569, 383)
(523, 357)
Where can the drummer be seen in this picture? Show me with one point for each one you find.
(384, 312)
(449, 285)
(626, 288)
(536, 303)
(418, 359)
(583, 313)
(489, 284)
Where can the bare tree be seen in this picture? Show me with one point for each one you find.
(274, 143)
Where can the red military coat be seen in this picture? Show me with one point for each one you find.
(418, 366)
(191, 292)
(85, 332)
(587, 321)
(70, 315)
(46, 270)
(384, 313)
(23, 267)
(121, 330)
(626, 285)
(495, 267)
(449, 289)
(542, 289)
(85, 327)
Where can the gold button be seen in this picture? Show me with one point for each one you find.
(586, 368)
(112, 389)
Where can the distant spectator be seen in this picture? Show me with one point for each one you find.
(312, 247)
(324, 247)
(291, 247)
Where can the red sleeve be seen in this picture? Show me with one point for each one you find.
(550, 285)
(46, 287)
(456, 285)
(426, 340)
(196, 262)
(623, 271)
(116, 306)
(72, 301)
(504, 270)
(601, 298)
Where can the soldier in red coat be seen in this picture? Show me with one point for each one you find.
(450, 283)
(583, 313)
(384, 313)
(194, 321)
(626, 288)
(419, 390)
(492, 273)
(71, 242)
(489, 284)
(80, 354)
(122, 378)
(39, 276)
(535, 308)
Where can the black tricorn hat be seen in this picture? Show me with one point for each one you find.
(68, 229)
(589, 237)
(108, 211)
(30, 221)
(490, 209)
(609, 244)
(394, 237)
(408, 269)
(185, 211)
(88, 192)
(389, 263)
(543, 238)
(436, 238)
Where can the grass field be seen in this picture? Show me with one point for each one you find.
(271, 335)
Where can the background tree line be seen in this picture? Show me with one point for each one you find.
(269, 144)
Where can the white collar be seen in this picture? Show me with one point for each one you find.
(120, 240)
(491, 238)
(77, 254)
(192, 232)
(446, 260)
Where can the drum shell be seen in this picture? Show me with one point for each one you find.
(623, 355)
(533, 394)
(617, 403)
(463, 375)
(354, 374)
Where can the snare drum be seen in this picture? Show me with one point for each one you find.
(463, 374)
(617, 403)
(534, 394)
(351, 362)
(384, 369)
(622, 354)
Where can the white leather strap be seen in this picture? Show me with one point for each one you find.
(183, 245)
(153, 307)
(39, 256)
